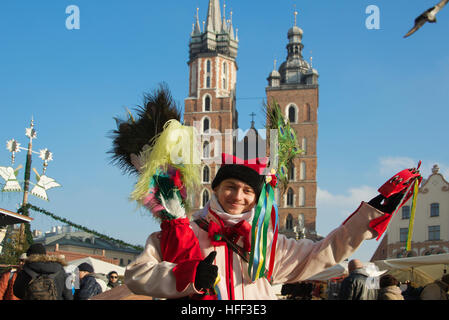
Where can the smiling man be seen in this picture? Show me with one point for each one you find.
(223, 230)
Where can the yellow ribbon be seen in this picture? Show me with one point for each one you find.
(412, 216)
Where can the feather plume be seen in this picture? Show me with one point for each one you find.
(171, 168)
(134, 134)
(288, 146)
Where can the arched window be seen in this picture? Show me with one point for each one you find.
(302, 170)
(206, 174)
(207, 103)
(206, 125)
(206, 150)
(308, 113)
(208, 73)
(225, 75)
(289, 222)
(205, 198)
(301, 220)
(302, 197)
(304, 145)
(290, 197)
(291, 171)
(292, 114)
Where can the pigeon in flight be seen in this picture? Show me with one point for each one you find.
(427, 16)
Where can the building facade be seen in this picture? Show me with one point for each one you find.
(430, 227)
(211, 108)
(295, 88)
(79, 244)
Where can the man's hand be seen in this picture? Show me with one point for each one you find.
(206, 273)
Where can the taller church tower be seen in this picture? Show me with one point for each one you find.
(295, 88)
(211, 105)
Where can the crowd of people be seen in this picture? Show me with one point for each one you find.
(40, 276)
(356, 286)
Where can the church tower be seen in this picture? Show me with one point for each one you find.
(211, 104)
(295, 88)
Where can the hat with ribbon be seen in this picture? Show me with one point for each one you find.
(248, 171)
(254, 173)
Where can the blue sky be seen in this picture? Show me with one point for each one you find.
(383, 99)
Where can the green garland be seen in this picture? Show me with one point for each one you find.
(79, 227)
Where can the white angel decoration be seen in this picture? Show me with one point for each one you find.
(43, 184)
(10, 176)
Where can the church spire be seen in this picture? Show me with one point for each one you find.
(213, 23)
(197, 28)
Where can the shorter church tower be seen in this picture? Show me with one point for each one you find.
(295, 88)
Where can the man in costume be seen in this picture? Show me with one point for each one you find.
(231, 248)
(224, 225)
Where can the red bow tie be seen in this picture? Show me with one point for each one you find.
(219, 234)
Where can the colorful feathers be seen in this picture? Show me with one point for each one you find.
(135, 134)
(161, 152)
(171, 170)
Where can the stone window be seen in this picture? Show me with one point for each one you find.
(434, 209)
(292, 114)
(434, 233)
(302, 171)
(290, 197)
(205, 198)
(206, 150)
(405, 212)
(289, 222)
(207, 103)
(308, 113)
(291, 172)
(403, 233)
(208, 73)
(225, 75)
(302, 197)
(206, 125)
(206, 174)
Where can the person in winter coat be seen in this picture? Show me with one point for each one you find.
(389, 288)
(8, 278)
(230, 211)
(113, 279)
(88, 286)
(354, 286)
(38, 263)
(437, 290)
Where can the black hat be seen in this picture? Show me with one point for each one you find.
(242, 173)
(86, 267)
(36, 248)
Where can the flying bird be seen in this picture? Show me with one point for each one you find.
(10, 176)
(427, 16)
(43, 184)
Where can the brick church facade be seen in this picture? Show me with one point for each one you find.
(211, 108)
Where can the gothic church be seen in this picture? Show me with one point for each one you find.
(211, 107)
